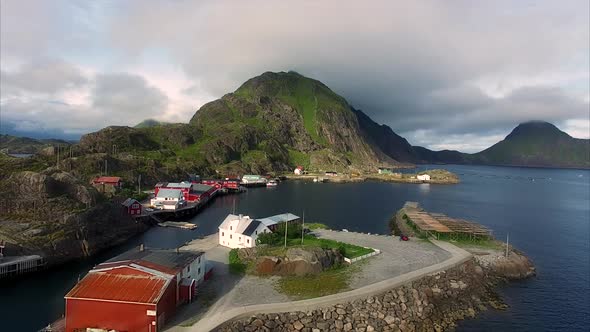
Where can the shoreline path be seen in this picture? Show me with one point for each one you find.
(226, 297)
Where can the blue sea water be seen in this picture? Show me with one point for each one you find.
(545, 212)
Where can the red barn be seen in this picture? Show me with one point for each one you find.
(107, 184)
(132, 207)
(136, 291)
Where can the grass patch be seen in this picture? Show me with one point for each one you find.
(316, 225)
(298, 158)
(236, 266)
(346, 249)
(326, 283)
(479, 243)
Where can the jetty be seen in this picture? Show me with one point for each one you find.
(439, 225)
(177, 224)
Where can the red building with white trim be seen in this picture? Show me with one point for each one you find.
(132, 207)
(136, 291)
(192, 192)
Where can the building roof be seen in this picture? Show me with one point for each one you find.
(129, 201)
(201, 188)
(107, 179)
(168, 261)
(251, 227)
(279, 218)
(169, 193)
(183, 185)
(109, 285)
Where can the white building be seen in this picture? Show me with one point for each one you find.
(298, 170)
(169, 199)
(423, 177)
(240, 231)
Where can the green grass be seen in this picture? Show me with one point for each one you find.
(236, 266)
(478, 243)
(348, 250)
(326, 283)
(316, 225)
(298, 158)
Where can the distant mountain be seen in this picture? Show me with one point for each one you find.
(537, 143)
(534, 143)
(25, 145)
(148, 123)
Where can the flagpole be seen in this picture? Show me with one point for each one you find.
(303, 227)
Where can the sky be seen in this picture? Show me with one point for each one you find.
(443, 74)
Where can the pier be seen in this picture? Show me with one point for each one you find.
(11, 266)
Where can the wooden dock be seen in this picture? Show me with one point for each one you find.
(176, 224)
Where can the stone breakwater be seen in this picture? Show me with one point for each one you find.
(433, 303)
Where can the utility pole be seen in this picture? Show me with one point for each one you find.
(58, 156)
(303, 227)
(286, 229)
(507, 238)
(139, 184)
(106, 169)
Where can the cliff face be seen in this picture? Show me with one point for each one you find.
(54, 215)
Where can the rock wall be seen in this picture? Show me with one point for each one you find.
(433, 303)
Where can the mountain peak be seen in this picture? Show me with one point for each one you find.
(536, 128)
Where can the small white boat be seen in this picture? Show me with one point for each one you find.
(272, 183)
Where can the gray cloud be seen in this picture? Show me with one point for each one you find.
(126, 95)
(438, 72)
(42, 76)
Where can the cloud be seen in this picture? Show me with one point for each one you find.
(42, 76)
(127, 96)
(448, 70)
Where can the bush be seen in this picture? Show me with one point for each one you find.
(271, 239)
(235, 263)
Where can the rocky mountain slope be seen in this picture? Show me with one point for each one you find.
(53, 214)
(26, 145)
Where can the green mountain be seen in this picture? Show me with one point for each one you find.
(148, 123)
(26, 145)
(273, 122)
(537, 143)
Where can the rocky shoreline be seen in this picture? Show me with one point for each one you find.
(433, 303)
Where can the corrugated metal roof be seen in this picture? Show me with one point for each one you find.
(112, 286)
(279, 218)
(179, 185)
(201, 188)
(129, 201)
(108, 179)
(168, 261)
(170, 193)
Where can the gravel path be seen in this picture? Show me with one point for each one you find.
(399, 262)
(396, 258)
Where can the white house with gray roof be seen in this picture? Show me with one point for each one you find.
(169, 199)
(238, 231)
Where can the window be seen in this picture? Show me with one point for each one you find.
(230, 228)
(222, 234)
(248, 240)
(240, 238)
(188, 269)
(230, 236)
(199, 260)
(199, 271)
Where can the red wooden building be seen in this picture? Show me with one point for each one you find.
(192, 192)
(136, 291)
(132, 207)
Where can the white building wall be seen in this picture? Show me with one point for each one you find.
(229, 238)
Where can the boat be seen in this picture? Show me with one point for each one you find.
(272, 183)
(175, 224)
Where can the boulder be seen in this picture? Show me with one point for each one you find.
(298, 262)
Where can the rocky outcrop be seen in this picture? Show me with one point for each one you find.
(54, 215)
(515, 266)
(433, 303)
(295, 262)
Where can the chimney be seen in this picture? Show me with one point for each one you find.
(141, 248)
(241, 216)
(177, 250)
